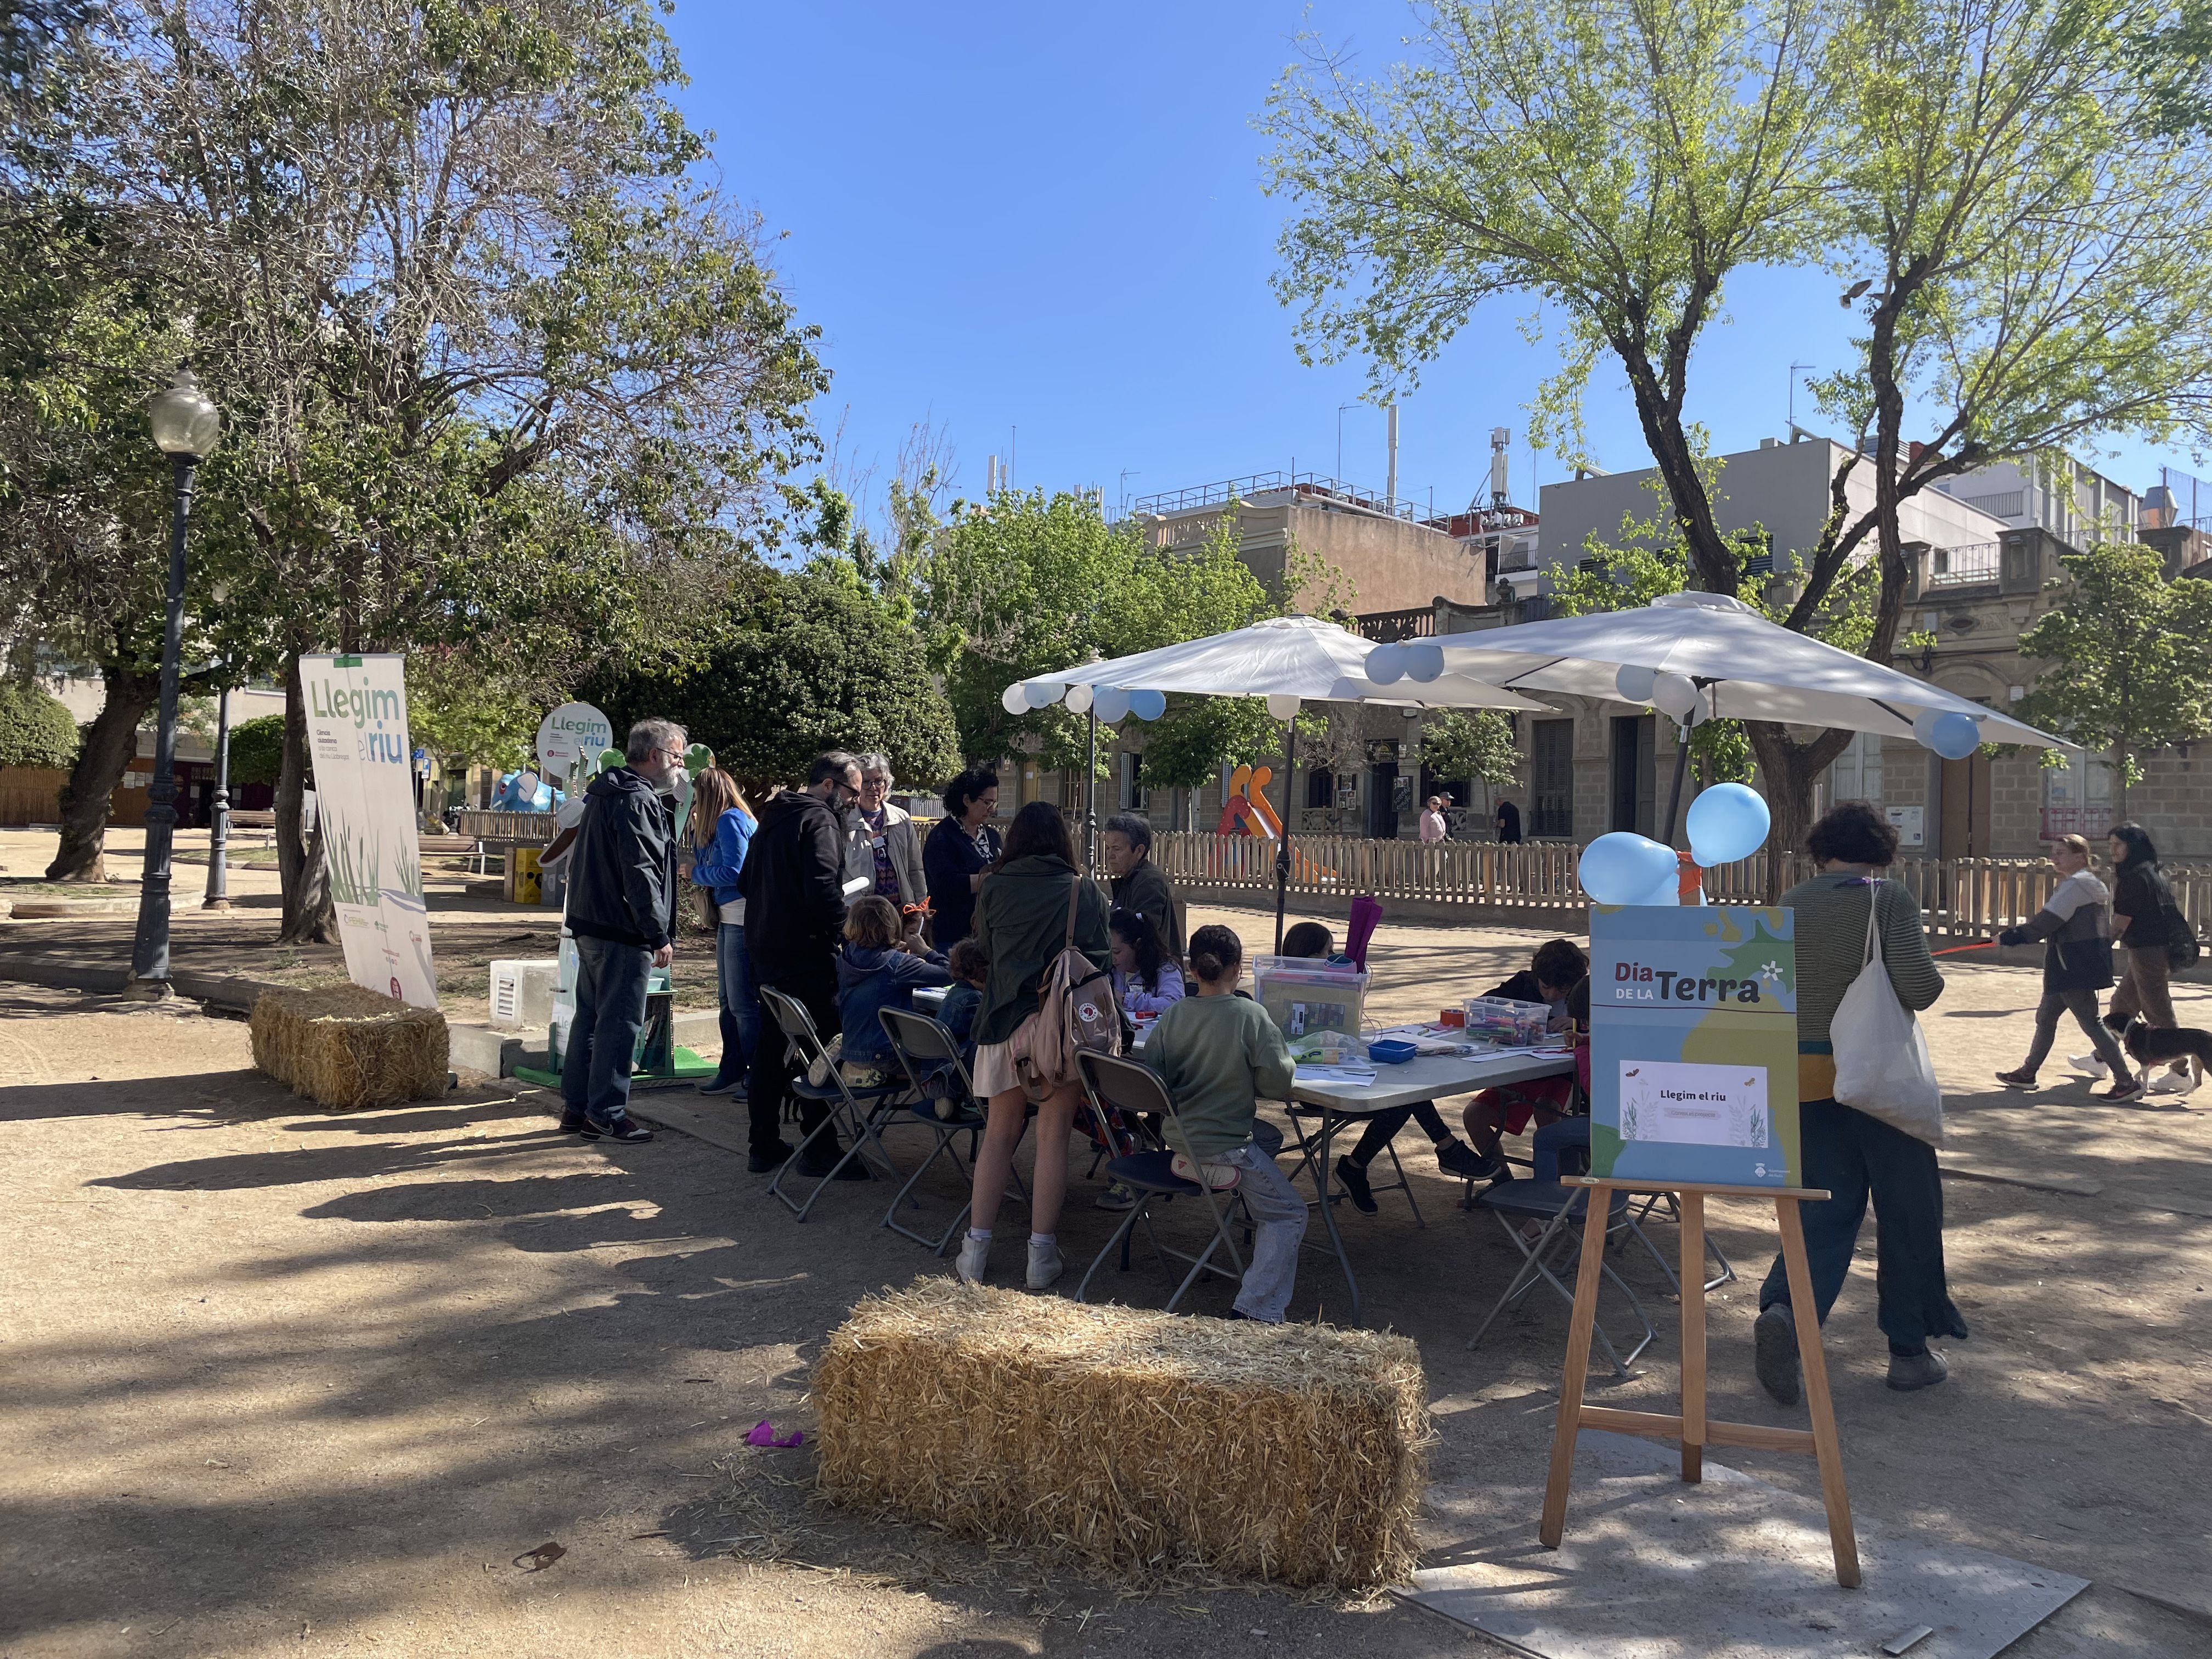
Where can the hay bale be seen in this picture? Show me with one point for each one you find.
(1130, 1440)
(345, 1047)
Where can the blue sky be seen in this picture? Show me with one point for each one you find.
(1041, 228)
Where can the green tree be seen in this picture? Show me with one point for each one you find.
(2129, 656)
(1480, 745)
(501, 371)
(257, 749)
(35, 728)
(809, 659)
(1027, 584)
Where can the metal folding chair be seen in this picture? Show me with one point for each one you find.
(923, 1045)
(858, 1112)
(1572, 1134)
(1556, 1251)
(1133, 1089)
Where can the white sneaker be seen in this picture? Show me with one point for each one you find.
(1045, 1263)
(2169, 1082)
(2089, 1065)
(975, 1259)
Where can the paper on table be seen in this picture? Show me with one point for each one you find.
(1356, 1075)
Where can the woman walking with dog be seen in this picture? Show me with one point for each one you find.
(2077, 963)
(2151, 930)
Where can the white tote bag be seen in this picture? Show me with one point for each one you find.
(1882, 1066)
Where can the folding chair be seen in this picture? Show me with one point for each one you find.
(860, 1121)
(1514, 1202)
(1314, 1143)
(1133, 1089)
(1570, 1134)
(924, 1045)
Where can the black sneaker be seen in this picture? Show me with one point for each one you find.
(575, 1123)
(625, 1128)
(1774, 1351)
(761, 1163)
(818, 1160)
(1454, 1156)
(1354, 1177)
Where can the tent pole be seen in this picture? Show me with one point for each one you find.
(1283, 846)
(1091, 798)
(1681, 769)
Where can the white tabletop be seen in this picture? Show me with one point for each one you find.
(1431, 1078)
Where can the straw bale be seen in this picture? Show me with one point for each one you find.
(1138, 1442)
(345, 1047)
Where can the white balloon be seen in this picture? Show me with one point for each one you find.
(1634, 683)
(1425, 661)
(1674, 694)
(1078, 699)
(1042, 696)
(1283, 707)
(1923, 727)
(1111, 704)
(1015, 699)
(1386, 664)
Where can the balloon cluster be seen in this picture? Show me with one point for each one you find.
(1110, 703)
(1726, 823)
(1422, 660)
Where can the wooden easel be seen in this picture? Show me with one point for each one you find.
(1691, 1429)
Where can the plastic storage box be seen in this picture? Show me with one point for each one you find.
(1506, 1023)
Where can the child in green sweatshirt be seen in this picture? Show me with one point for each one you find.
(1218, 1052)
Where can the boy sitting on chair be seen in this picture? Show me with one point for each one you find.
(1560, 976)
(1217, 1052)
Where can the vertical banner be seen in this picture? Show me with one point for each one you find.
(1693, 1044)
(365, 793)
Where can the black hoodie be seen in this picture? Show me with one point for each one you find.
(622, 883)
(794, 886)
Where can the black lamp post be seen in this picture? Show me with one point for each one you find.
(218, 881)
(185, 425)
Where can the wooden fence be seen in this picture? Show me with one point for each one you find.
(1964, 899)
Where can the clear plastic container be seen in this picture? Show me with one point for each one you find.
(1506, 1022)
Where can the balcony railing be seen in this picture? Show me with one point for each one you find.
(1959, 566)
(1387, 627)
(1306, 485)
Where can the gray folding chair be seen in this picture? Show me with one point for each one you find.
(859, 1113)
(1561, 1209)
(1134, 1090)
(925, 1047)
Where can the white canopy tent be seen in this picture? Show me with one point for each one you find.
(1744, 667)
(1289, 660)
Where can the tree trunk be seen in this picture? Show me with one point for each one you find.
(1791, 770)
(309, 917)
(110, 744)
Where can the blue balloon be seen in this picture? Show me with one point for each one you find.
(1668, 892)
(1956, 736)
(1726, 823)
(1111, 704)
(1386, 664)
(1425, 661)
(1622, 868)
(1148, 705)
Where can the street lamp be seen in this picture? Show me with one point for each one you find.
(186, 424)
(218, 881)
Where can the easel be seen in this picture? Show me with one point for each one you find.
(1691, 1429)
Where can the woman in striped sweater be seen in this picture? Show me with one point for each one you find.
(1854, 1155)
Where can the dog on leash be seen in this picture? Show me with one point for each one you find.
(2150, 1046)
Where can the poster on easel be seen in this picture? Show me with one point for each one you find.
(357, 742)
(1693, 1044)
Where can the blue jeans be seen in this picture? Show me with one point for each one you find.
(1278, 1215)
(611, 986)
(741, 1005)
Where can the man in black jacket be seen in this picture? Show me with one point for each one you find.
(622, 908)
(793, 883)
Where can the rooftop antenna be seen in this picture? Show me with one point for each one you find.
(1794, 367)
(1390, 481)
(1127, 473)
(1341, 407)
(1500, 440)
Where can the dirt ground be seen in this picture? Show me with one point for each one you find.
(281, 1381)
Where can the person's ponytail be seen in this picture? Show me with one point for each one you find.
(1215, 951)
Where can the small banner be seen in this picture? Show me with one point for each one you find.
(1693, 1044)
(364, 794)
